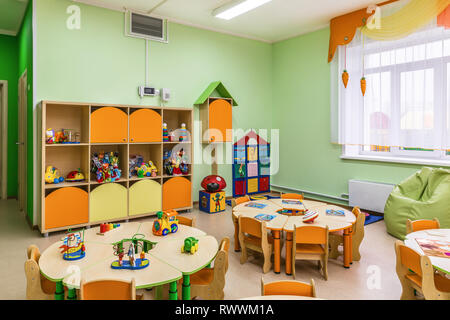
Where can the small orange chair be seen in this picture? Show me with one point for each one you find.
(337, 238)
(38, 286)
(292, 196)
(234, 203)
(416, 273)
(253, 235)
(190, 222)
(310, 243)
(240, 200)
(417, 225)
(288, 288)
(108, 290)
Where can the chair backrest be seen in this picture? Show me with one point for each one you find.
(417, 225)
(186, 221)
(407, 258)
(310, 235)
(108, 290)
(251, 226)
(240, 200)
(358, 226)
(292, 196)
(224, 246)
(37, 284)
(288, 287)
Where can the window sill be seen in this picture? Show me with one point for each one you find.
(430, 162)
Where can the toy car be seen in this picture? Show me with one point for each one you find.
(75, 176)
(166, 223)
(190, 245)
(52, 175)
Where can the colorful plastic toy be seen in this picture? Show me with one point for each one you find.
(105, 227)
(190, 245)
(136, 245)
(310, 216)
(106, 167)
(166, 223)
(75, 176)
(50, 135)
(183, 133)
(73, 246)
(165, 133)
(60, 137)
(146, 170)
(52, 175)
(213, 183)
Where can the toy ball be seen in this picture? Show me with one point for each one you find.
(310, 216)
(213, 183)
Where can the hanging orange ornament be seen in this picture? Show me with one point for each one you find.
(363, 85)
(345, 78)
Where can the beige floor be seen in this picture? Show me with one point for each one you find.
(242, 280)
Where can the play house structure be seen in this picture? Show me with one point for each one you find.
(251, 165)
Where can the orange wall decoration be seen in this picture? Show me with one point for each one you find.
(66, 207)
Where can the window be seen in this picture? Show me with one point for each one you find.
(405, 111)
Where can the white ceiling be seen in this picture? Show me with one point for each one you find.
(272, 22)
(11, 15)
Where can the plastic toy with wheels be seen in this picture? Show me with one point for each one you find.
(166, 223)
(52, 175)
(75, 176)
(190, 245)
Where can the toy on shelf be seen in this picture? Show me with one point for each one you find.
(50, 136)
(183, 133)
(175, 165)
(136, 245)
(70, 136)
(105, 227)
(52, 175)
(59, 137)
(105, 166)
(165, 133)
(75, 176)
(190, 245)
(212, 199)
(310, 216)
(166, 223)
(73, 246)
(135, 162)
(63, 136)
(171, 136)
(147, 170)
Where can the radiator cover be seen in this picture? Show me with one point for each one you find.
(369, 195)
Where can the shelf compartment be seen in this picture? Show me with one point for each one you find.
(122, 149)
(148, 152)
(145, 196)
(67, 159)
(145, 125)
(174, 118)
(66, 116)
(109, 125)
(108, 201)
(66, 207)
(177, 193)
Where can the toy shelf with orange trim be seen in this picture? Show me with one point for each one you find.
(125, 129)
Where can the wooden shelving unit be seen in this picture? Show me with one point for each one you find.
(129, 130)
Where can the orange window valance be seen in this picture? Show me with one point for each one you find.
(343, 28)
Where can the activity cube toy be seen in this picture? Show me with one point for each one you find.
(212, 202)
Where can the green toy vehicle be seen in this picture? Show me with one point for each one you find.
(190, 245)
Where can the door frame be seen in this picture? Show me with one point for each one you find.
(4, 139)
(22, 143)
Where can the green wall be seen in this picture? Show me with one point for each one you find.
(8, 71)
(25, 46)
(301, 110)
(99, 64)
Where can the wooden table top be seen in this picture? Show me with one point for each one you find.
(442, 264)
(167, 264)
(170, 252)
(297, 204)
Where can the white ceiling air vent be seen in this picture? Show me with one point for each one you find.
(147, 27)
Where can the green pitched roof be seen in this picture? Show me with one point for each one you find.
(220, 88)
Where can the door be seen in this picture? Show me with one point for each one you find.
(3, 137)
(22, 143)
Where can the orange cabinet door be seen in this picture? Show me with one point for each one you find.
(66, 207)
(220, 119)
(109, 125)
(145, 126)
(177, 193)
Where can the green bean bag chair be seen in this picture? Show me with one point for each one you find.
(424, 195)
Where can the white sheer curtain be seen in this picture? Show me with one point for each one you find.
(407, 101)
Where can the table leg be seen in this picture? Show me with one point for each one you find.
(59, 292)
(72, 294)
(347, 247)
(186, 294)
(173, 294)
(237, 246)
(288, 261)
(277, 251)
